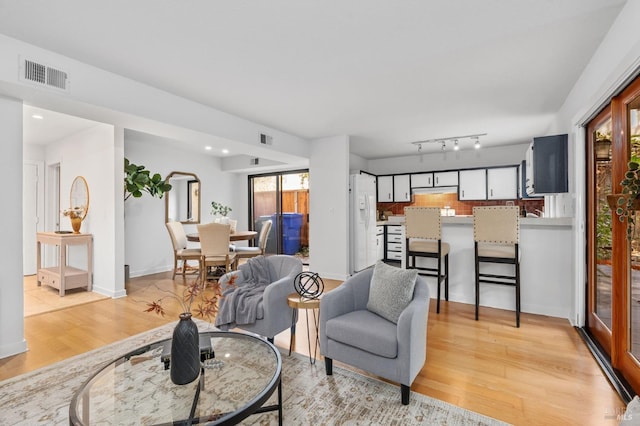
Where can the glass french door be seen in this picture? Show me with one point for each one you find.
(613, 296)
(599, 184)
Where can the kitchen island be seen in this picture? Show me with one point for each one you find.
(546, 266)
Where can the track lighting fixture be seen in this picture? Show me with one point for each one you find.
(456, 142)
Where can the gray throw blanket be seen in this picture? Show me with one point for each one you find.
(242, 304)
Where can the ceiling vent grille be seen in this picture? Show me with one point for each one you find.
(254, 161)
(44, 75)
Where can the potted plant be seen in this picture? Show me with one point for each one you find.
(627, 202)
(219, 209)
(185, 354)
(138, 180)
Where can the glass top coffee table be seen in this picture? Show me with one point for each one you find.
(239, 373)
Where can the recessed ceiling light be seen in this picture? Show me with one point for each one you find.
(37, 116)
(225, 151)
(208, 148)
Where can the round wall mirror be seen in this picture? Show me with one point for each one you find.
(79, 198)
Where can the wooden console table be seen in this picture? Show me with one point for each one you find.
(62, 276)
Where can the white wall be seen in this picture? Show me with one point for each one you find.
(148, 247)
(329, 207)
(357, 164)
(615, 61)
(103, 96)
(90, 154)
(11, 288)
(449, 160)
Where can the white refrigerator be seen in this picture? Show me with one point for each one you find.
(362, 223)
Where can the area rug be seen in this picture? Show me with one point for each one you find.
(309, 396)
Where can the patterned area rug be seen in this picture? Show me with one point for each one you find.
(309, 396)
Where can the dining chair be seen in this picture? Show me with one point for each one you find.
(496, 234)
(247, 252)
(180, 251)
(214, 245)
(424, 239)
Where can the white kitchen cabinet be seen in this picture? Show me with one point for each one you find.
(445, 178)
(385, 189)
(401, 188)
(380, 242)
(473, 184)
(422, 180)
(502, 183)
(394, 250)
(380, 247)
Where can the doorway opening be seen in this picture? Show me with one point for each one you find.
(283, 199)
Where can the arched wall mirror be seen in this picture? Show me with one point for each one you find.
(79, 197)
(182, 203)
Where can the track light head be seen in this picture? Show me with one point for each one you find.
(455, 145)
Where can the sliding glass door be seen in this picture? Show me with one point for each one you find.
(282, 198)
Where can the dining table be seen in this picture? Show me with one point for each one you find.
(235, 236)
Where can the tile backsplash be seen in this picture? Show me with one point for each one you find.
(461, 207)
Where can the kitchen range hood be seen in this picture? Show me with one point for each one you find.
(436, 190)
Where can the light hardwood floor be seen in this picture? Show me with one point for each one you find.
(539, 374)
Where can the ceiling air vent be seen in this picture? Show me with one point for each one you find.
(44, 75)
(254, 161)
(266, 139)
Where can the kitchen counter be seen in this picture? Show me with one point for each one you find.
(546, 266)
(524, 221)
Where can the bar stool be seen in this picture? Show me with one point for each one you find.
(496, 234)
(424, 239)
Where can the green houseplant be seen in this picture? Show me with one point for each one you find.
(138, 180)
(219, 209)
(627, 202)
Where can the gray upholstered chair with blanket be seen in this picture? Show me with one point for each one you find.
(273, 315)
(377, 321)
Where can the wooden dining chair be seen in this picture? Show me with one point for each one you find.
(180, 251)
(247, 252)
(214, 245)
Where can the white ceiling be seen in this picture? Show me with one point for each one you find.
(384, 72)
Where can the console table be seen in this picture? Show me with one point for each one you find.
(64, 277)
(239, 374)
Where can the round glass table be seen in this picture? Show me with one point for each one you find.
(239, 373)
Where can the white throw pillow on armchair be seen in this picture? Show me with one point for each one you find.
(391, 290)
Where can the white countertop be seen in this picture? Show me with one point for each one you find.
(524, 221)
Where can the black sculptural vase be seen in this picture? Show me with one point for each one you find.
(185, 351)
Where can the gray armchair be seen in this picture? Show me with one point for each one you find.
(277, 315)
(351, 334)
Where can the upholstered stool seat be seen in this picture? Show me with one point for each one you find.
(497, 250)
(428, 247)
(424, 239)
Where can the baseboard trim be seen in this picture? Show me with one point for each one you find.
(618, 382)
